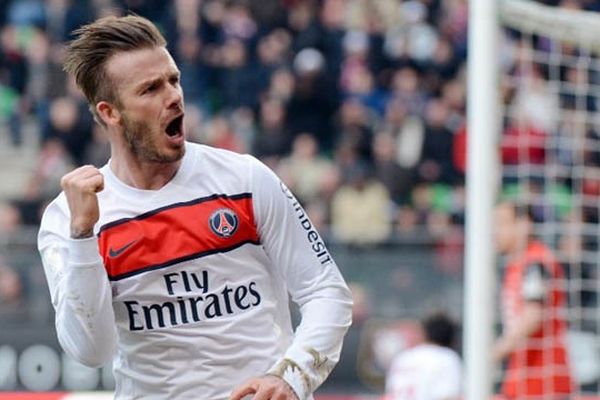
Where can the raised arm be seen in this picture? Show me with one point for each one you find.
(79, 288)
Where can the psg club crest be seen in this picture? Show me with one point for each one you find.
(223, 222)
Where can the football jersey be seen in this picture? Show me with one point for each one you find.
(539, 366)
(186, 288)
(425, 372)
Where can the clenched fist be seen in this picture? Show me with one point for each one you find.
(81, 187)
(268, 387)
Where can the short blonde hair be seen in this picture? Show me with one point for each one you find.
(95, 43)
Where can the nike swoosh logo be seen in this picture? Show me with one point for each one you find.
(115, 253)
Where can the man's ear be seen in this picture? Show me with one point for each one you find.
(108, 113)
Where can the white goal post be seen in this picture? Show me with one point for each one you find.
(482, 127)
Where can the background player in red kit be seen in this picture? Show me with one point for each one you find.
(533, 302)
(176, 261)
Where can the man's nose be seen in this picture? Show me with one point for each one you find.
(175, 96)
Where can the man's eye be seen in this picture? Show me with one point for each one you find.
(150, 88)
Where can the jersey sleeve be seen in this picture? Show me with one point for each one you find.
(79, 290)
(313, 282)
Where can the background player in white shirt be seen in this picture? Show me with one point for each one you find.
(175, 261)
(429, 371)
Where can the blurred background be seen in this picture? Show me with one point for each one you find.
(358, 105)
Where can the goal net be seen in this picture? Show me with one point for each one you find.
(550, 152)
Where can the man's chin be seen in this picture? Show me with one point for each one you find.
(180, 154)
(167, 156)
(174, 155)
(180, 150)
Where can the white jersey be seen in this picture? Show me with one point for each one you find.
(425, 372)
(186, 288)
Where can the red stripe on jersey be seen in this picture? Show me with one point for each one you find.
(177, 233)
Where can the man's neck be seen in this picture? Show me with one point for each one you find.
(143, 175)
(519, 248)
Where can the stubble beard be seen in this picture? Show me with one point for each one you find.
(138, 135)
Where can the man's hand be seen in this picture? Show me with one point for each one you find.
(502, 348)
(81, 187)
(268, 387)
(526, 324)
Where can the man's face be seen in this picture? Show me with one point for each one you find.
(506, 226)
(150, 104)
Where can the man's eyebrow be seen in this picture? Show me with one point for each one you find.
(147, 83)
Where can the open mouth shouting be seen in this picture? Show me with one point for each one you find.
(174, 129)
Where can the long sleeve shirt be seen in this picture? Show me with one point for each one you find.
(186, 289)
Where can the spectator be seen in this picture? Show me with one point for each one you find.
(281, 85)
(64, 16)
(397, 180)
(243, 123)
(452, 23)
(453, 93)
(537, 101)
(406, 87)
(428, 371)
(268, 13)
(13, 299)
(11, 292)
(72, 125)
(361, 209)
(354, 129)
(436, 163)
(407, 220)
(413, 38)
(534, 326)
(273, 51)
(315, 98)
(304, 168)
(192, 68)
(409, 134)
(356, 57)
(238, 22)
(195, 120)
(10, 218)
(273, 138)
(220, 134)
(443, 65)
(237, 80)
(52, 163)
(332, 20)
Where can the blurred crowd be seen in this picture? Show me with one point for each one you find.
(359, 105)
(356, 104)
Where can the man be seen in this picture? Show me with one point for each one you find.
(429, 371)
(175, 260)
(533, 304)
